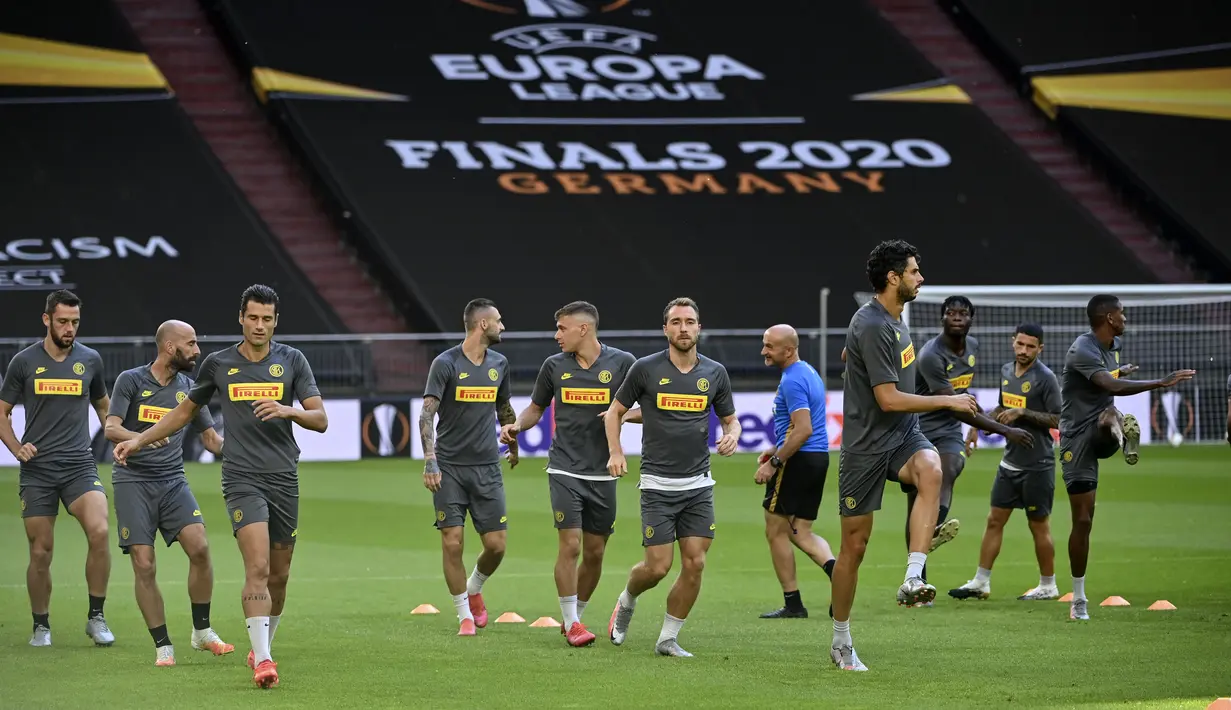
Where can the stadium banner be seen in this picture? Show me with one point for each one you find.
(385, 424)
(527, 146)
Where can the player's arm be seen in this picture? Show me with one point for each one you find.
(198, 396)
(11, 393)
(801, 419)
(629, 393)
(313, 416)
(1049, 417)
(540, 399)
(438, 378)
(505, 414)
(724, 408)
(1088, 361)
(203, 425)
(878, 346)
(632, 416)
(1229, 409)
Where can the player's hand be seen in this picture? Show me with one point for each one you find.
(266, 409)
(766, 454)
(616, 465)
(508, 434)
(727, 444)
(962, 403)
(972, 441)
(764, 472)
(160, 443)
(1177, 377)
(1021, 437)
(512, 457)
(1008, 416)
(1127, 370)
(26, 452)
(431, 475)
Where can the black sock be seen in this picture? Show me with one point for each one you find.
(944, 515)
(200, 616)
(161, 637)
(924, 575)
(96, 605)
(42, 620)
(828, 567)
(793, 601)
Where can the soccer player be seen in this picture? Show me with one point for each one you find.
(578, 384)
(947, 367)
(59, 380)
(151, 489)
(1026, 477)
(881, 439)
(1229, 409)
(794, 470)
(259, 381)
(467, 384)
(1091, 428)
(676, 389)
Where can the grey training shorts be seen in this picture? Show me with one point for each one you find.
(1033, 491)
(271, 498)
(41, 496)
(580, 503)
(1080, 454)
(478, 490)
(143, 508)
(861, 477)
(667, 516)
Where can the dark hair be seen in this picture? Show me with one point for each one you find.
(62, 297)
(957, 302)
(1034, 330)
(572, 309)
(258, 293)
(1099, 306)
(889, 257)
(475, 305)
(684, 301)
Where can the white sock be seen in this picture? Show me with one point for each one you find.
(914, 564)
(474, 585)
(1079, 588)
(842, 633)
(1047, 581)
(983, 575)
(581, 607)
(627, 600)
(461, 602)
(258, 635)
(568, 611)
(671, 628)
(273, 627)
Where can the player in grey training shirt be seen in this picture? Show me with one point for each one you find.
(258, 381)
(468, 385)
(947, 366)
(1026, 477)
(881, 440)
(1229, 409)
(151, 490)
(59, 380)
(578, 385)
(676, 390)
(1091, 428)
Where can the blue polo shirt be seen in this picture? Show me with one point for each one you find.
(801, 388)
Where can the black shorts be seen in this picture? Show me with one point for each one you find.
(796, 489)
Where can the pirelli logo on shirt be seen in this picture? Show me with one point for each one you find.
(151, 415)
(682, 402)
(252, 391)
(908, 356)
(962, 382)
(585, 395)
(1013, 401)
(475, 394)
(43, 385)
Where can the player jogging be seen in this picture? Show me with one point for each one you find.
(1091, 428)
(676, 389)
(1026, 477)
(259, 381)
(59, 380)
(151, 489)
(578, 384)
(947, 367)
(468, 384)
(881, 439)
(794, 470)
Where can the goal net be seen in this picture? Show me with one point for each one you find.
(1170, 327)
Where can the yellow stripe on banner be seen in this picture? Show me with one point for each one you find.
(1196, 93)
(947, 94)
(266, 80)
(28, 61)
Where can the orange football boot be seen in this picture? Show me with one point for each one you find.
(578, 635)
(467, 628)
(479, 610)
(266, 674)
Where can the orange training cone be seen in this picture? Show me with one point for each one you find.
(1115, 601)
(1219, 704)
(510, 617)
(545, 622)
(1066, 598)
(425, 609)
(1161, 605)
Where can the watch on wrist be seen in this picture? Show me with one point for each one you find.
(775, 461)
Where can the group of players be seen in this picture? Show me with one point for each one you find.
(896, 428)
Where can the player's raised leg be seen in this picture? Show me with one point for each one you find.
(193, 541)
(40, 534)
(90, 510)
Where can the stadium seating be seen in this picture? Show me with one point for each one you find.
(650, 150)
(1143, 86)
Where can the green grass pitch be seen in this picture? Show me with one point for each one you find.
(368, 554)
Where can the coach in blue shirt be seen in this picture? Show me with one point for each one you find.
(794, 470)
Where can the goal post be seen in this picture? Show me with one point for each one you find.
(1169, 327)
